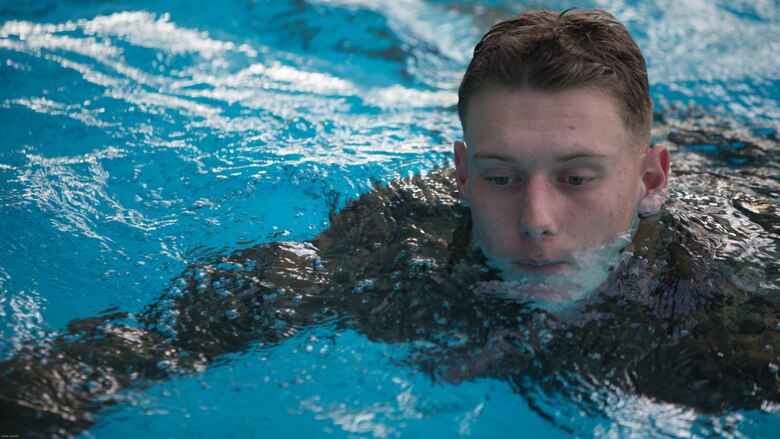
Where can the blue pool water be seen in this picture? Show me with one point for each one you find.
(141, 137)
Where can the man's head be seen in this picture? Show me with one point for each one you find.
(558, 51)
(556, 161)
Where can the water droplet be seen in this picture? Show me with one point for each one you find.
(545, 336)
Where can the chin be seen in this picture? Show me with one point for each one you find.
(558, 284)
(556, 291)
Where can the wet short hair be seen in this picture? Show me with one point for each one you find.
(556, 51)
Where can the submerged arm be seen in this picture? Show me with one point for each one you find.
(254, 295)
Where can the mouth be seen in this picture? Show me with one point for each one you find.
(541, 266)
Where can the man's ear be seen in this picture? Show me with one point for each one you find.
(462, 170)
(655, 178)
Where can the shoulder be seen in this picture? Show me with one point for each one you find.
(404, 208)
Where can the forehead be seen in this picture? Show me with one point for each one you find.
(516, 120)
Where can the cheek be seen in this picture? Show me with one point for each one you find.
(486, 214)
(484, 201)
(599, 217)
(619, 212)
(492, 219)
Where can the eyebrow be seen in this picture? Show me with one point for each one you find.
(566, 158)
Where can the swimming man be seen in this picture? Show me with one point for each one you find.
(545, 274)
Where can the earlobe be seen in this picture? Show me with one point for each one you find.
(655, 178)
(461, 170)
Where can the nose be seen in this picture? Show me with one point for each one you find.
(537, 220)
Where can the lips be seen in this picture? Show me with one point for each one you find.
(541, 266)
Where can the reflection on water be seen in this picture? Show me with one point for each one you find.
(144, 143)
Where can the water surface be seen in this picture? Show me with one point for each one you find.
(141, 138)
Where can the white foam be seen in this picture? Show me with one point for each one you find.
(558, 291)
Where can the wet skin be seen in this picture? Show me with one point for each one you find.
(550, 174)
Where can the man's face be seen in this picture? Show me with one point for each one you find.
(548, 176)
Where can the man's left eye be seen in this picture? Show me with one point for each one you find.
(576, 180)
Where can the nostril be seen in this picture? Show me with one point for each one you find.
(537, 233)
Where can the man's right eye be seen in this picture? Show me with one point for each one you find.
(498, 181)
